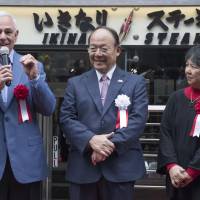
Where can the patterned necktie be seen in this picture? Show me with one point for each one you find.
(104, 88)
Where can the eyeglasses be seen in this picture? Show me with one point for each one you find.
(103, 50)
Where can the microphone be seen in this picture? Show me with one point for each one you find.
(4, 51)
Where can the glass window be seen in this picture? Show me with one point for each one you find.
(163, 68)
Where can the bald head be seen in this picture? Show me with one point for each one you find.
(7, 15)
(112, 32)
(8, 30)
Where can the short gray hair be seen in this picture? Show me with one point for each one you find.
(194, 55)
(5, 14)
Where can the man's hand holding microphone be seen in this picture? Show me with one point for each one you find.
(6, 75)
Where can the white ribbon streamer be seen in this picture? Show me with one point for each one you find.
(197, 127)
(123, 118)
(24, 111)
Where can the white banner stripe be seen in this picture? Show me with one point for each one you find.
(123, 122)
(197, 127)
(24, 112)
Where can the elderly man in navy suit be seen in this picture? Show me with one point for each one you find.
(22, 158)
(103, 115)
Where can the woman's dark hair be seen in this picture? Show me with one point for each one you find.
(194, 55)
(112, 31)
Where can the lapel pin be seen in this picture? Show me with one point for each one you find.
(120, 81)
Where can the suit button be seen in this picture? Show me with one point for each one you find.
(6, 119)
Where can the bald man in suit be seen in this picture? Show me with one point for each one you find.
(105, 159)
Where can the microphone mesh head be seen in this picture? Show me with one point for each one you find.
(4, 50)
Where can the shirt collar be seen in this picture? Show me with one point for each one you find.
(11, 55)
(109, 73)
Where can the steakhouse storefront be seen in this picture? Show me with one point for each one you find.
(154, 40)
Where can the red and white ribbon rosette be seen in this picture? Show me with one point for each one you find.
(122, 102)
(196, 124)
(21, 94)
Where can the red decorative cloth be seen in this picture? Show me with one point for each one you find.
(193, 172)
(191, 92)
(194, 96)
(118, 119)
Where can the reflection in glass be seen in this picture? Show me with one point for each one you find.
(162, 67)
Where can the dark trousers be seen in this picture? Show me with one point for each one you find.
(102, 190)
(10, 189)
(190, 192)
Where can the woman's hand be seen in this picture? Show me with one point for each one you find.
(187, 180)
(177, 176)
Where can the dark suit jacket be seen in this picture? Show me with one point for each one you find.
(82, 116)
(23, 141)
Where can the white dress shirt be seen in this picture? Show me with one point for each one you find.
(109, 75)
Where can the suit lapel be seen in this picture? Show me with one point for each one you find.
(117, 81)
(92, 85)
(17, 74)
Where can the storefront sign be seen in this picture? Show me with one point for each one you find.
(177, 19)
(136, 25)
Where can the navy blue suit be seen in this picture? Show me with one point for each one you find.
(83, 115)
(22, 142)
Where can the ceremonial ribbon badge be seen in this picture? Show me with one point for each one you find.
(21, 94)
(122, 102)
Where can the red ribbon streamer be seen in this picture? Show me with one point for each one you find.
(118, 119)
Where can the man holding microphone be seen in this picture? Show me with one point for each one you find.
(23, 94)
